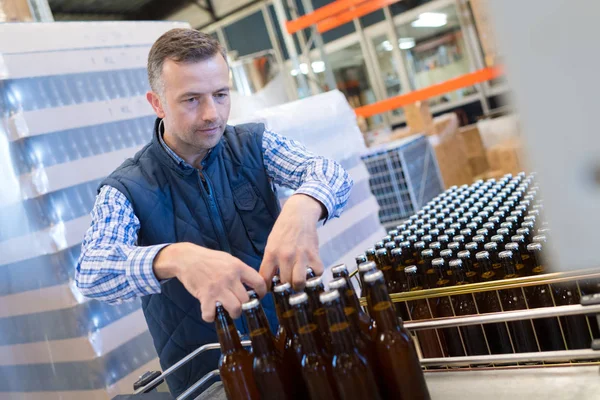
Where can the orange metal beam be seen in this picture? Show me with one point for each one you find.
(320, 14)
(357, 12)
(462, 81)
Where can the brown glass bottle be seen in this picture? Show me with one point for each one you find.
(436, 247)
(315, 363)
(292, 352)
(467, 269)
(352, 374)
(314, 287)
(407, 252)
(548, 330)
(575, 327)
(365, 342)
(514, 247)
(474, 248)
(527, 262)
(398, 266)
(272, 378)
(401, 369)
(493, 250)
(464, 304)
(431, 345)
(370, 253)
(281, 334)
(235, 364)
(488, 302)
(385, 265)
(447, 255)
(428, 272)
(351, 298)
(522, 333)
(443, 308)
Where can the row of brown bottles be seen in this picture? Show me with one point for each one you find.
(487, 231)
(355, 356)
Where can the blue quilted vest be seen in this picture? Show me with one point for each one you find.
(233, 210)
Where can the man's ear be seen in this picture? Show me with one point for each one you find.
(156, 104)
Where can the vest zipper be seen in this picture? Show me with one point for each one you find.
(214, 213)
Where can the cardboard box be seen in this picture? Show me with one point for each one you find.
(506, 157)
(419, 118)
(472, 141)
(452, 158)
(479, 164)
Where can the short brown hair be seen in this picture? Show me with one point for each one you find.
(180, 45)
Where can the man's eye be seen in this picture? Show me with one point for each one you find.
(221, 95)
(190, 100)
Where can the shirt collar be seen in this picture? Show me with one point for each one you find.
(180, 161)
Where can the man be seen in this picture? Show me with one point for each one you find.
(193, 217)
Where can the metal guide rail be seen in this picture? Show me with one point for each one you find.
(542, 359)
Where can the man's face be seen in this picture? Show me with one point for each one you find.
(195, 103)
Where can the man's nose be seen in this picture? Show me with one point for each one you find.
(209, 110)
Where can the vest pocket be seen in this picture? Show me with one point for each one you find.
(255, 216)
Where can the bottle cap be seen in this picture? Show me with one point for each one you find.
(443, 238)
(464, 254)
(453, 246)
(339, 269)
(495, 219)
(309, 270)
(523, 231)
(276, 279)
(503, 232)
(404, 244)
(491, 246)
(488, 226)
(381, 252)
(505, 254)
(482, 232)
(471, 246)
(396, 252)
(472, 225)
(534, 247)
(316, 281)
(282, 287)
(298, 298)
(410, 270)
(373, 276)
(497, 238)
(512, 246)
(446, 253)
(455, 263)
(437, 262)
(435, 245)
(412, 238)
(539, 239)
(249, 305)
(479, 239)
(386, 238)
(482, 254)
(517, 238)
(419, 245)
(365, 267)
(427, 253)
(458, 238)
(393, 232)
(466, 232)
(329, 296)
(337, 283)
(218, 304)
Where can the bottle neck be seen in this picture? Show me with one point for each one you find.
(414, 281)
(313, 300)
(339, 327)
(510, 269)
(260, 335)
(286, 316)
(538, 268)
(352, 298)
(227, 333)
(307, 330)
(382, 307)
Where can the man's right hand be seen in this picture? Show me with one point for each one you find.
(209, 276)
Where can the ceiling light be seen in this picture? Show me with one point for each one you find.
(318, 66)
(430, 20)
(386, 45)
(406, 43)
(294, 72)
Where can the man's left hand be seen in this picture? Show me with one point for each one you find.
(293, 243)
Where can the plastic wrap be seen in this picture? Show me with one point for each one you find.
(73, 108)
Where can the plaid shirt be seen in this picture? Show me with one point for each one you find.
(113, 268)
